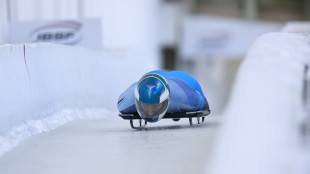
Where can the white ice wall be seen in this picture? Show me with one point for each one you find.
(260, 130)
(45, 85)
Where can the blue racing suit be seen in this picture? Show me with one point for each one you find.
(185, 94)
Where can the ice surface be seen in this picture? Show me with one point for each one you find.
(260, 129)
(111, 146)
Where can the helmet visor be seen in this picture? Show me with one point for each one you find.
(152, 110)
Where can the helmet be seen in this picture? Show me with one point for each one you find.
(152, 95)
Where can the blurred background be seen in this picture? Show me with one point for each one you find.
(206, 38)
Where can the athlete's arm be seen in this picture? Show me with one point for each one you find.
(126, 101)
(183, 98)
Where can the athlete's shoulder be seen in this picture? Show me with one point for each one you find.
(179, 74)
(171, 74)
(159, 72)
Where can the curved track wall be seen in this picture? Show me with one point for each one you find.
(260, 129)
(44, 85)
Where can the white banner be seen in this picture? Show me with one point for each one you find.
(215, 37)
(71, 32)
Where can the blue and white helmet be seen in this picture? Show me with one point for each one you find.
(152, 95)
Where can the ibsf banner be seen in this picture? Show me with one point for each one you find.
(85, 33)
(217, 37)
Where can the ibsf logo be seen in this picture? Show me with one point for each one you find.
(65, 32)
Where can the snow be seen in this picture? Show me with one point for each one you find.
(45, 85)
(260, 130)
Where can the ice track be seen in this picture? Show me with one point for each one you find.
(259, 132)
(111, 146)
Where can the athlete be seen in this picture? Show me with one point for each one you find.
(175, 94)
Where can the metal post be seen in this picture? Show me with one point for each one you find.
(250, 10)
(12, 10)
(3, 21)
(80, 9)
(8, 10)
(8, 21)
(307, 9)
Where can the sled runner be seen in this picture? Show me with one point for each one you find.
(200, 115)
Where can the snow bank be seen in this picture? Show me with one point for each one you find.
(46, 85)
(260, 131)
